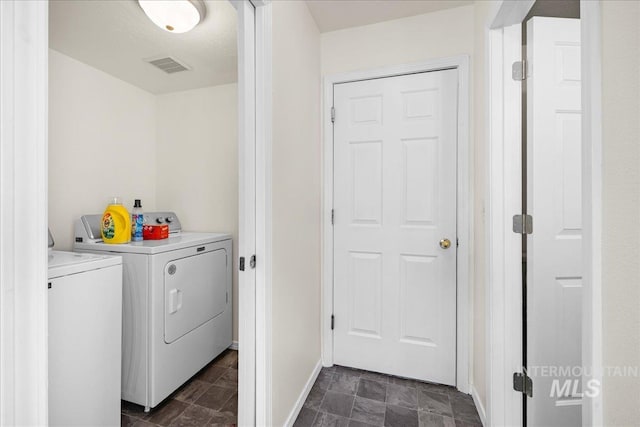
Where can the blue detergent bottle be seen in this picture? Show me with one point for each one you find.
(137, 221)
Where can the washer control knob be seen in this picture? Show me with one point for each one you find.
(159, 220)
(170, 219)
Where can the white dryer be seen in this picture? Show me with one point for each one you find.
(176, 304)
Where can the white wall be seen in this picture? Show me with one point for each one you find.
(400, 41)
(479, 331)
(197, 163)
(102, 134)
(296, 204)
(621, 207)
(440, 34)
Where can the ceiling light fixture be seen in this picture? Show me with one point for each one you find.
(174, 16)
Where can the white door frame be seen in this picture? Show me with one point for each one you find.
(464, 214)
(23, 212)
(262, 319)
(504, 273)
(23, 209)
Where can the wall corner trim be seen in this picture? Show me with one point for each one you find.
(479, 406)
(293, 415)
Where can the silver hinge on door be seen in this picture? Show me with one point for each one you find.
(523, 224)
(333, 115)
(522, 383)
(519, 70)
(252, 262)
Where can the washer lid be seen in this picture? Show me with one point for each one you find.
(66, 263)
(151, 247)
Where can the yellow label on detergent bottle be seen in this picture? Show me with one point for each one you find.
(116, 223)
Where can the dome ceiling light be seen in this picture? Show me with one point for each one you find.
(174, 16)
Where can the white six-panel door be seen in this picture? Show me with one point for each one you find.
(554, 250)
(395, 142)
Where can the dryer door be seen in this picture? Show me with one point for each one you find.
(195, 291)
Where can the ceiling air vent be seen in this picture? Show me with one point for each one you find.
(168, 65)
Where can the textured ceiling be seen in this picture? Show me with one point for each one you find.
(115, 36)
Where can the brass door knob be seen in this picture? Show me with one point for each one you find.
(445, 243)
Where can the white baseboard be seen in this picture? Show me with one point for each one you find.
(234, 345)
(479, 406)
(303, 395)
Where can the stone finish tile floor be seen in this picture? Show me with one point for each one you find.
(210, 398)
(346, 397)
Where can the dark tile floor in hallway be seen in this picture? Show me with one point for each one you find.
(348, 397)
(210, 398)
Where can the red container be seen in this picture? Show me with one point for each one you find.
(155, 232)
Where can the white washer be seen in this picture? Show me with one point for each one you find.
(176, 304)
(85, 335)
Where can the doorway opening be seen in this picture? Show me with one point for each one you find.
(542, 155)
(24, 184)
(463, 222)
(146, 114)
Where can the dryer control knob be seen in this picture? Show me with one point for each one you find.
(169, 219)
(159, 220)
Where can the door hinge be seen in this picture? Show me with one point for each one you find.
(522, 224)
(241, 264)
(333, 217)
(252, 261)
(519, 70)
(333, 115)
(522, 383)
(332, 321)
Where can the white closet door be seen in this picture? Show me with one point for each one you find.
(395, 199)
(554, 250)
